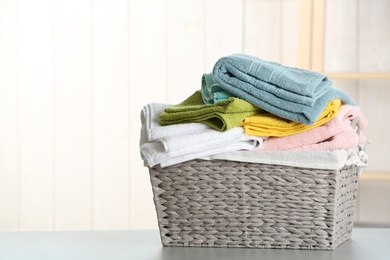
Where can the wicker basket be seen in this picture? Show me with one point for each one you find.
(221, 203)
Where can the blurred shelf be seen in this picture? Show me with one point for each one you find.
(358, 75)
(375, 176)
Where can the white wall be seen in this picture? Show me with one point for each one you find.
(358, 39)
(74, 75)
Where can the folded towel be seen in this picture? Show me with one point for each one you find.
(295, 84)
(211, 91)
(320, 159)
(222, 116)
(167, 145)
(176, 149)
(292, 93)
(243, 145)
(267, 124)
(304, 159)
(153, 131)
(338, 133)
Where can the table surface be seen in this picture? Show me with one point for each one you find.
(366, 243)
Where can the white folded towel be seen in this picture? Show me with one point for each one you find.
(194, 145)
(167, 145)
(314, 159)
(154, 131)
(323, 159)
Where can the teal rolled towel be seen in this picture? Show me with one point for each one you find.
(296, 94)
(211, 91)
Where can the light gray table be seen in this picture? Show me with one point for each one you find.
(366, 243)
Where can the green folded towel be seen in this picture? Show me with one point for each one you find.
(222, 116)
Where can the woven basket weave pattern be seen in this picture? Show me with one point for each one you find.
(236, 204)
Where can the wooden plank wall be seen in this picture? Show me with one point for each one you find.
(75, 74)
(358, 40)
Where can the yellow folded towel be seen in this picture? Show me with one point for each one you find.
(267, 124)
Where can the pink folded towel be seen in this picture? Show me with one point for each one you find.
(339, 133)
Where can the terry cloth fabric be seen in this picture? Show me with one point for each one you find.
(221, 116)
(154, 153)
(292, 93)
(187, 141)
(267, 124)
(338, 133)
(211, 91)
(305, 159)
(321, 159)
(153, 130)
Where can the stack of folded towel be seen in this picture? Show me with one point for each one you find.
(252, 108)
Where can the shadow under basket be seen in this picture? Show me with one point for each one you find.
(220, 203)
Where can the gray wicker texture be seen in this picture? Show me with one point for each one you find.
(237, 204)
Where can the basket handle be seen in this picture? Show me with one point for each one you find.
(355, 124)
